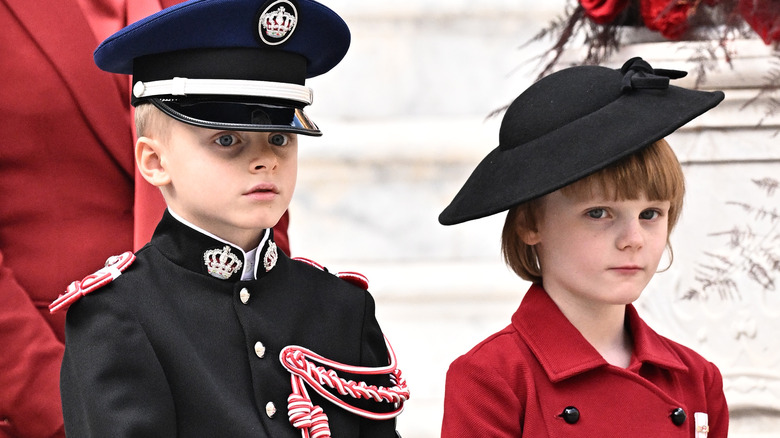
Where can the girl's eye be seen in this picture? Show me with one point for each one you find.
(226, 140)
(649, 214)
(597, 213)
(277, 139)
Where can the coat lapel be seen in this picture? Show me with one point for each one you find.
(98, 94)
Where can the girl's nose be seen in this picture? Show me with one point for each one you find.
(631, 235)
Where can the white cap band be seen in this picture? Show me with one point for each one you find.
(229, 87)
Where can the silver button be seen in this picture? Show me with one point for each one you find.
(259, 349)
(270, 409)
(244, 295)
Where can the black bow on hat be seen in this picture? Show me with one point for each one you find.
(573, 123)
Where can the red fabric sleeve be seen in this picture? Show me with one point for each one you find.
(717, 409)
(479, 402)
(30, 401)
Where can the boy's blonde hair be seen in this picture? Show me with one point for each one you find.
(150, 121)
(653, 171)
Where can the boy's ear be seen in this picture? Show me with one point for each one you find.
(149, 158)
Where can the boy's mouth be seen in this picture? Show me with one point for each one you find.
(264, 188)
(264, 191)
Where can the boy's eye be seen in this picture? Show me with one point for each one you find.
(277, 139)
(597, 213)
(226, 140)
(649, 214)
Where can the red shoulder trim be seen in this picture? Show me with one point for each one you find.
(114, 267)
(355, 278)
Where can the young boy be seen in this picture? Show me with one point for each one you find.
(210, 330)
(593, 191)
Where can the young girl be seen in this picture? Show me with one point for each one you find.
(593, 191)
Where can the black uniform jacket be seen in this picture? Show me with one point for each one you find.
(167, 350)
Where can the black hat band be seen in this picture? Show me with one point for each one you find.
(247, 72)
(252, 64)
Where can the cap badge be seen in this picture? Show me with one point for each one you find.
(277, 22)
(271, 256)
(221, 263)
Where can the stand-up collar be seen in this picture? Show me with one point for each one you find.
(199, 251)
(562, 350)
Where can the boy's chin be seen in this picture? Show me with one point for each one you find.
(272, 221)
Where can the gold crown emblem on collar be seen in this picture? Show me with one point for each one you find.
(278, 22)
(221, 263)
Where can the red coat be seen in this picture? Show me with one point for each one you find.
(68, 195)
(519, 381)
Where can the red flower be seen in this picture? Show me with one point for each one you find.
(670, 17)
(603, 11)
(763, 16)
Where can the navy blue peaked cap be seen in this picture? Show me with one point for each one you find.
(238, 64)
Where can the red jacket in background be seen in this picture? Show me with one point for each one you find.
(68, 192)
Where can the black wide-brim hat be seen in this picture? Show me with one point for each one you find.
(230, 64)
(571, 124)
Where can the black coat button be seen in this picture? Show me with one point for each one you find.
(570, 415)
(678, 416)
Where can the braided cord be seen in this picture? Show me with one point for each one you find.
(311, 419)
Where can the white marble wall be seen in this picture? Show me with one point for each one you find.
(404, 117)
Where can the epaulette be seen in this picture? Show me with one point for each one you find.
(355, 278)
(114, 267)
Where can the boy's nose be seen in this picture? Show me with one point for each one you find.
(263, 157)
